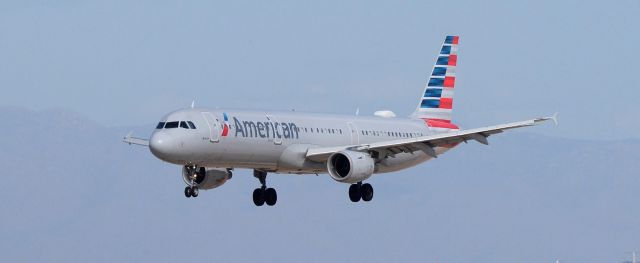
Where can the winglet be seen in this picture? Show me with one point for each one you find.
(554, 118)
(133, 140)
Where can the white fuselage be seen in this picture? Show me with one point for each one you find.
(278, 141)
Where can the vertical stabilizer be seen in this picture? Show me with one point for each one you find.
(436, 101)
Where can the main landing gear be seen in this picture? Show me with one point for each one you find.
(263, 194)
(360, 191)
(193, 172)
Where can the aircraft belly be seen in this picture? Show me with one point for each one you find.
(403, 161)
(243, 153)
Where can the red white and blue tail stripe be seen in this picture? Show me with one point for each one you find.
(437, 99)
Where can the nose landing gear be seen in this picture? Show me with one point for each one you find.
(263, 194)
(191, 190)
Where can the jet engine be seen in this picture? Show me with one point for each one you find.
(350, 166)
(207, 178)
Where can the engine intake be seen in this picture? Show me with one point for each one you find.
(211, 178)
(350, 166)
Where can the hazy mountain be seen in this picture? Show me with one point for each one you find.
(72, 192)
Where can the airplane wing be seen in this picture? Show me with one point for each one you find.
(425, 143)
(133, 140)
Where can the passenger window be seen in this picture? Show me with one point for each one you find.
(184, 125)
(171, 125)
(160, 125)
(191, 125)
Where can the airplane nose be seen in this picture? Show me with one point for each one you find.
(162, 145)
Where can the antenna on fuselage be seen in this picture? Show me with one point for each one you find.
(193, 103)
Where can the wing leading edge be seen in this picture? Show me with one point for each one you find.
(426, 143)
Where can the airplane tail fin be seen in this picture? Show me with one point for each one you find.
(436, 101)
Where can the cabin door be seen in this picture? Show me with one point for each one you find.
(277, 137)
(214, 126)
(355, 136)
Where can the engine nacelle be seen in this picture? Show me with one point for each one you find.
(350, 166)
(211, 178)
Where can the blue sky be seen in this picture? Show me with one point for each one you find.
(525, 198)
(128, 63)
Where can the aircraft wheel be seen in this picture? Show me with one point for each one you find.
(270, 196)
(194, 191)
(258, 196)
(354, 193)
(187, 192)
(367, 192)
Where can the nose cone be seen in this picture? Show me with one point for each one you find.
(162, 145)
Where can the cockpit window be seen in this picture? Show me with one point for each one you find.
(176, 124)
(171, 125)
(193, 126)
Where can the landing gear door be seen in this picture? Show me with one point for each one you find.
(214, 126)
(277, 137)
(355, 136)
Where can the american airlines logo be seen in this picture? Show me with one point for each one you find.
(225, 127)
(265, 129)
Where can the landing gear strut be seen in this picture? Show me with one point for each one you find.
(360, 191)
(263, 194)
(191, 190)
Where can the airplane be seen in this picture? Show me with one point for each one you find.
(210, 143)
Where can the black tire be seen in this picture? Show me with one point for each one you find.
(258, 197)
(194, 191)
(367, 192)
(270, 196)
(187, 192)
(354, 193)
